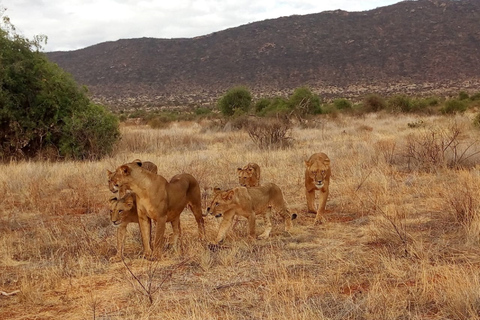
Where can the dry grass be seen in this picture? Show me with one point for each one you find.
(402, 241)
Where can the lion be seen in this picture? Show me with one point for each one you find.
(317, 177)
(249, 175)
(122, 212)
(160, 200)
(150, 166)
(248, 202)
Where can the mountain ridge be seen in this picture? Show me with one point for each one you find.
(419, 47)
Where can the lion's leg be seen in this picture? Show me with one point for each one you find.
(320, 217)
(267, 218)
(176, 233)
(197, 212)
(251, 225)
(145, 230)
(288, 219)
(310, 195)
(121, 232)
(225, 225)
(159, 236)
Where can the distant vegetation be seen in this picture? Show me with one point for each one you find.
(44, 113)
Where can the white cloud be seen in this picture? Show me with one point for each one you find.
(74, 24)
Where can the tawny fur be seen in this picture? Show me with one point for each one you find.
(249, 202)
(161, 201)
(317, 178)
(249, 175)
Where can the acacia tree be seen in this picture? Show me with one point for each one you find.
(41, 106)
(236, 99)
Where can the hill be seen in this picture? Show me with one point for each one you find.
(424, 46)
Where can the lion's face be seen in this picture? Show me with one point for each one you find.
(111, 184)
(317, 171)
(119, 208)
(247, 177)
(221, 203)
(119, 177)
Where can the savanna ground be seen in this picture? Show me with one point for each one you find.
(401, 241)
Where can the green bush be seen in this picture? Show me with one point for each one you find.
(400, 103)
(303, 101)
(463, 95)
(277, 106)
(373, 103)
(262, 104)
(476, 121)
(454, 106)
(342, 104)
(238, 99)
(41, 104)
(89, 133)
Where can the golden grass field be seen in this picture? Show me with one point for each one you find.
(402, 239)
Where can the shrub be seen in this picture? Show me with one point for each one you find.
(454, 106)
(42, 107)
(342, 104)
(374, 103)
(89, 133)
(277, 106)
(400, 103)
(463, 95)
(262, 104)
(272, 133)
(303, 101)
(236, 99)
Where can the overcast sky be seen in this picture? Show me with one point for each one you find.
(76, 24)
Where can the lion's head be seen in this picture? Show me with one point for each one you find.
(318, 171)
(249, 176)
(221, 203)
(119, 208)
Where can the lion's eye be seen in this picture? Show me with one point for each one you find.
(120, 211)
(216, 203)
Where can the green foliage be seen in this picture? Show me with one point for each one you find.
(454, 106)
(400, 103)
(374, 103)
(303, 101)
(342, 104)
(463, 95)
(276, 106)
(238, 99)
(476, 121)
(262, 104)
(89, 133)
(202, 111)
(40, 103)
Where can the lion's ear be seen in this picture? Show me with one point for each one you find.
(239, 170)
(138, 162)
(229, 195)
(109, 173)
(125, 170)
(216, 190)
(307, 164)
(129, 200)
(326, 161)
(112, 200)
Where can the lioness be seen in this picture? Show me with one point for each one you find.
(150, 166)
(249, 176)
(247, 202)
(317, 177)
(160, 200)
(122, 212)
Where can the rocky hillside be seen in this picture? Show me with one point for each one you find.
(419, 46)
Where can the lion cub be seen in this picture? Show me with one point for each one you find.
(249, 175)
(122, 212)
(317, 177)
(247, 202)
